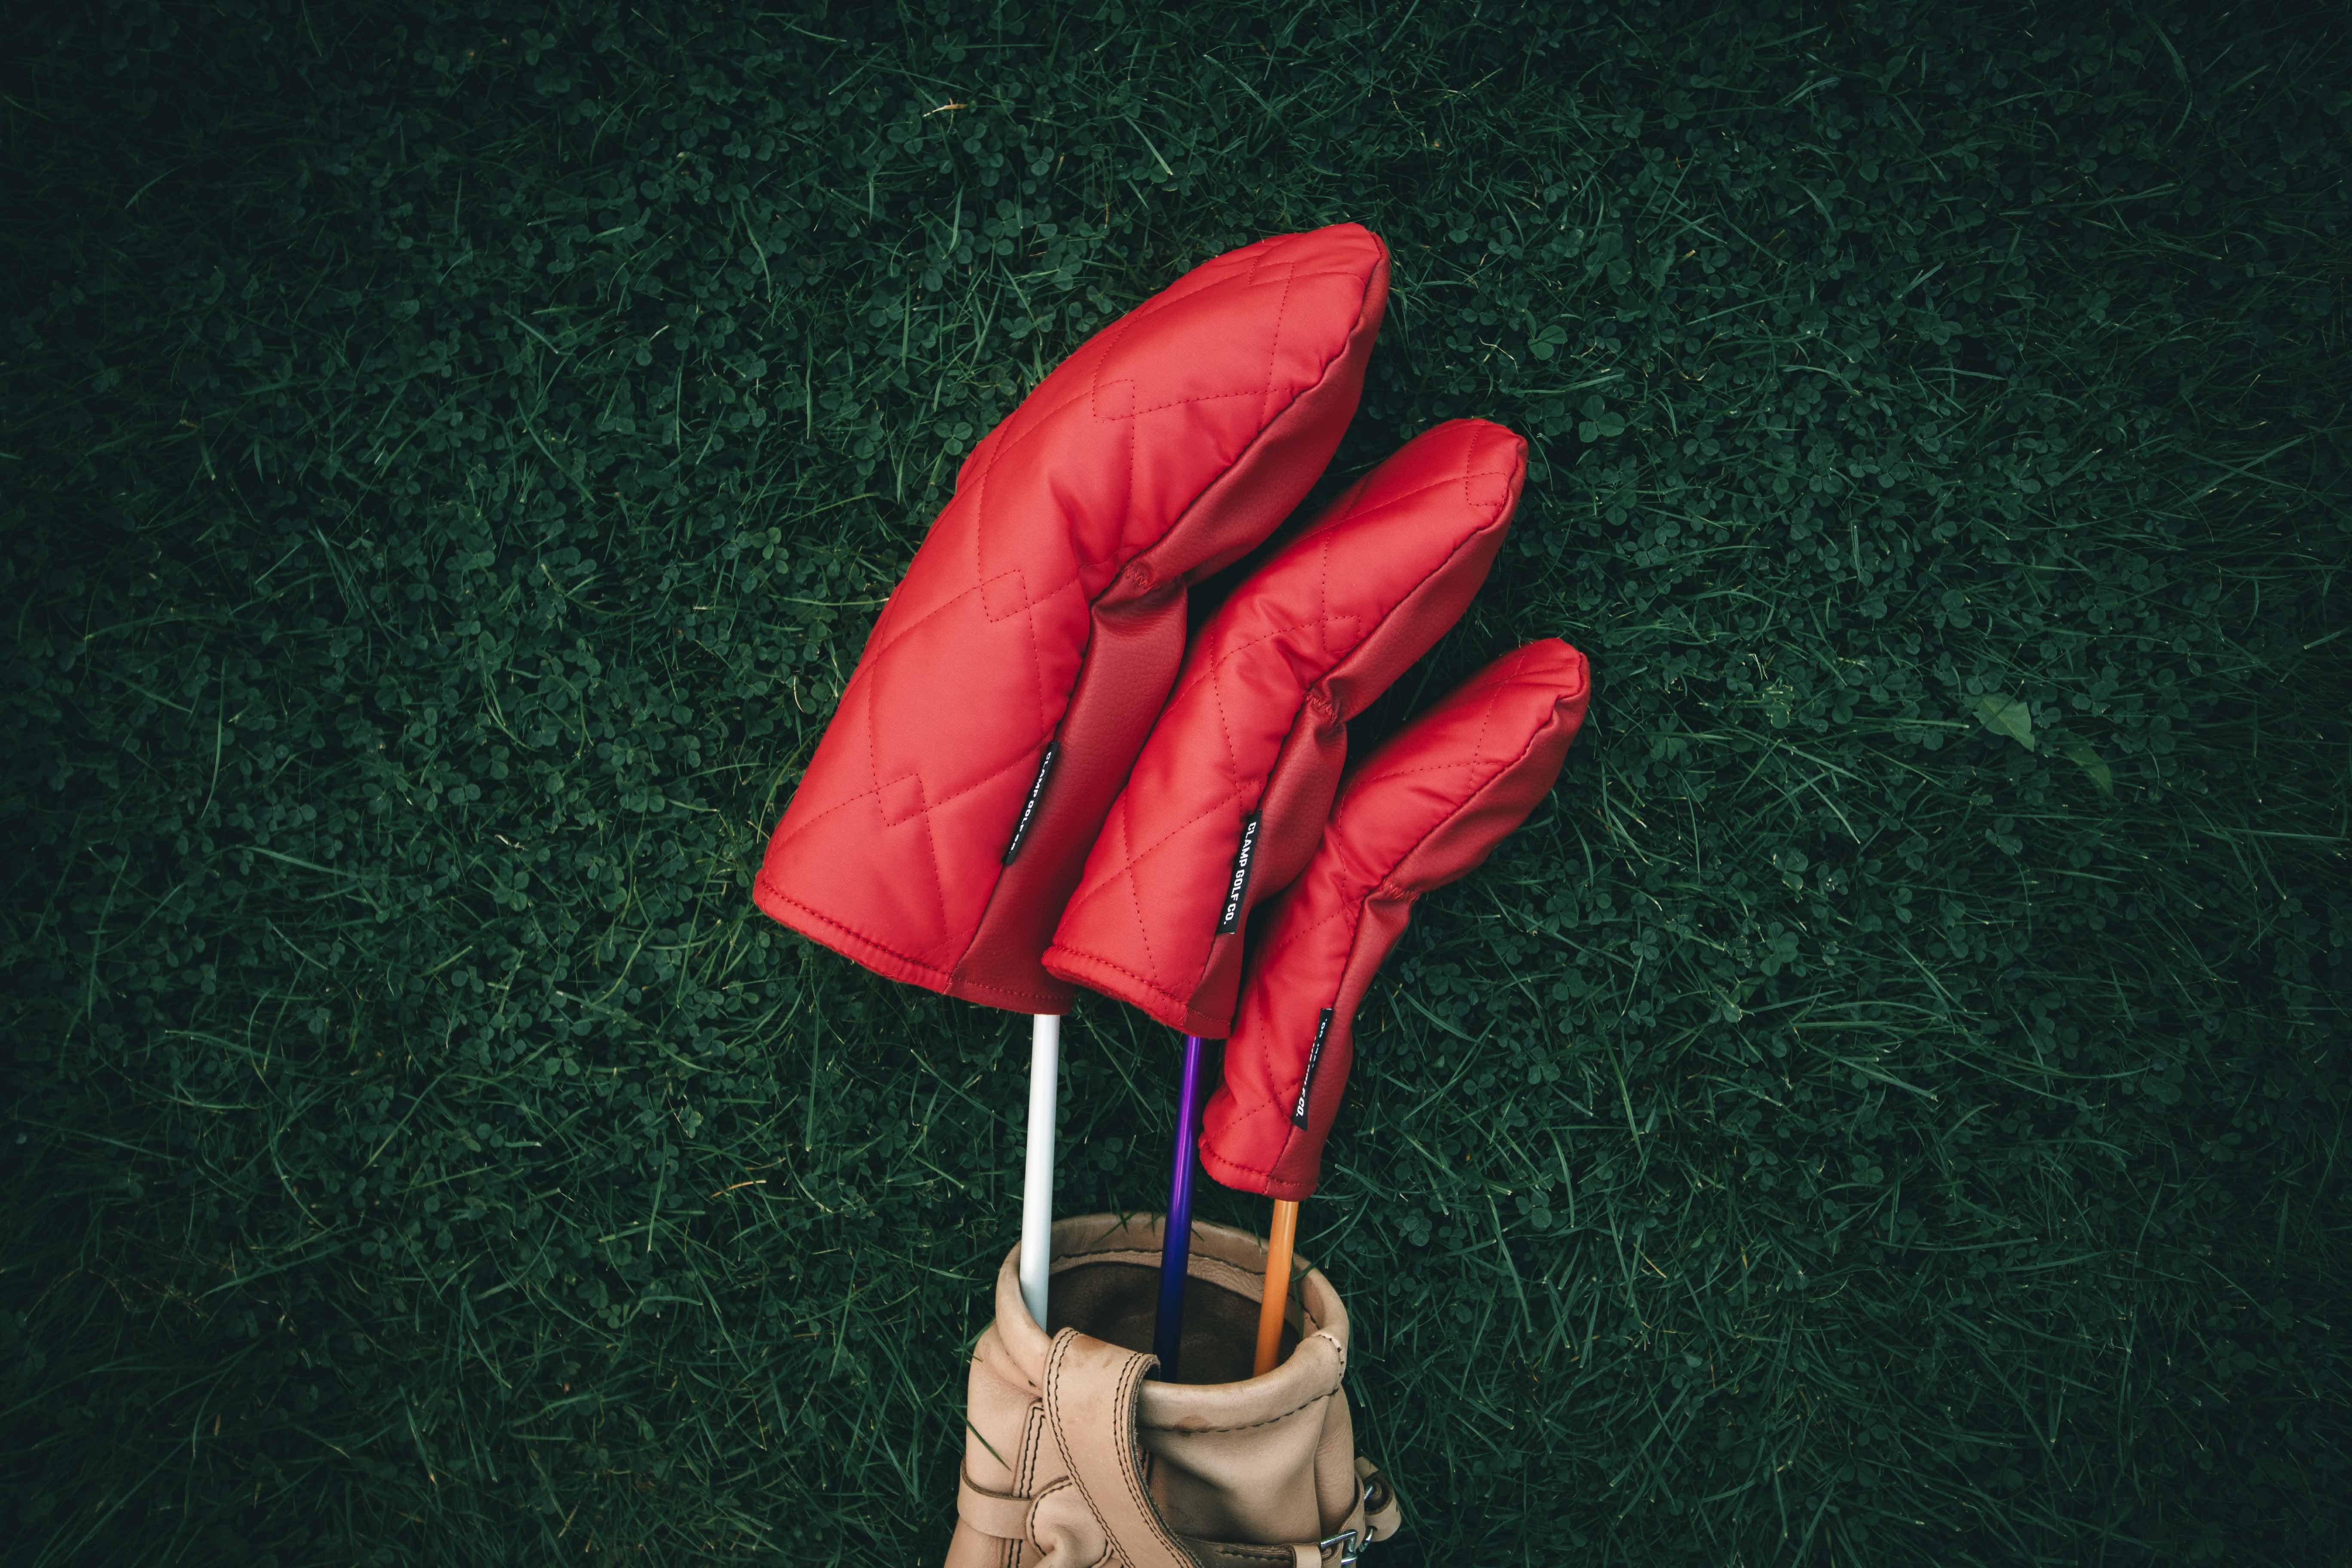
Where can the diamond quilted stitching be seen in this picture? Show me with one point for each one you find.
(1005, 595)
(1116, 399)
(900, 800)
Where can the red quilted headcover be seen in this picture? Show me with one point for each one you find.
(1422, 810)
(934, 837)
(1229, 793)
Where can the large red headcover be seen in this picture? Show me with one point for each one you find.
(1007, 686)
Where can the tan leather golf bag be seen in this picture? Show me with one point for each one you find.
(1075, 1455)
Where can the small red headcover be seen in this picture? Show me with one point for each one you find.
(1229, 793)
(1007, 686)
(1422, 810)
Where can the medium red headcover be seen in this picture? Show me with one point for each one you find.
(1422, 810)
(1229, 793)
(1007, 686)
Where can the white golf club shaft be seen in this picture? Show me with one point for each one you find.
(1037, 1182)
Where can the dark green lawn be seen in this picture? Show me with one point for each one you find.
(1888, 1107)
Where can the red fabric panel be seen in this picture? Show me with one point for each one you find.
(1422, 810)
(1251, 742)
(1046, 606)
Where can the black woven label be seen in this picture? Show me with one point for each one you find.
(1230, 918)
(1306, 1082)
(1029, 807)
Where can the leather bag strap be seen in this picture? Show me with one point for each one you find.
(1090, 1392)
(999, 1514)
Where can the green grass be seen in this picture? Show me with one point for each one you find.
(1887, 1107)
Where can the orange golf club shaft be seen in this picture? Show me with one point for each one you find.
(1276, 1296)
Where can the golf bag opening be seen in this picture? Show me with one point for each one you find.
(1119, 1303)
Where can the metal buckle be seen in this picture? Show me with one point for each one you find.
(1349, 1548)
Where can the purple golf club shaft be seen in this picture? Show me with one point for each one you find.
(1176, 1246)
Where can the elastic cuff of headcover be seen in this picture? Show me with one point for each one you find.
(890, 964)
(1123, 984)
(1297, 1168)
